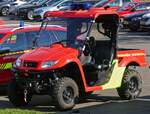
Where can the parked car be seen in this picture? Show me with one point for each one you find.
(132, 21)
(5, 5)
(112, 4)
(145, 22)
(139, 7)
(26, 11)
(16, 41)
(59, 5)
(13, 10)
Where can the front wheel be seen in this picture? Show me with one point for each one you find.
(131, 85)
(5, 11)
(65, 93)
(17, 95)
(30, 15)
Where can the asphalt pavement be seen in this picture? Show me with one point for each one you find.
(108, 101)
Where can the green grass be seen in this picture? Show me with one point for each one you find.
(18, 111)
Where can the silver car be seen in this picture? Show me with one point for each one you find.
(59, 5)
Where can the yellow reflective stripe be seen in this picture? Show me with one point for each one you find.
(14, 53)
(116, 77)
(6, 66)
(133, 54)
(1, 66)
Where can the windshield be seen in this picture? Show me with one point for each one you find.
(57, 2)
(77, 29)
(51, 2)
(38, 1)
(101, 3)
(33, 1)
(127, 6)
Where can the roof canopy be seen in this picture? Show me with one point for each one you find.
(81, 14)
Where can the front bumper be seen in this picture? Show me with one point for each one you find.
(128, 24)
(145, 24)
(21, 13)
(37, 17)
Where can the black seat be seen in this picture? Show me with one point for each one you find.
(102, 52)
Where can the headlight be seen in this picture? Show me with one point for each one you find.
(148, 22)
(18, 63)
(38, 11)
(48, 64)
(136, 18)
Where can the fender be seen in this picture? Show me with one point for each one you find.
(67, 60)
(128, 60)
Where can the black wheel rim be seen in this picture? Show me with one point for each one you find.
(133, 85)
(68, 95)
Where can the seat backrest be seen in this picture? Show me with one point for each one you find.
(102, 51)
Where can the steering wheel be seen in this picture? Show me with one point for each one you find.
(89, 46)
(63, 42)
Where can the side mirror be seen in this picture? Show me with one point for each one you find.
(58, 7)
(35, 3)
(132, 10)
(14, 4)
(44, 5)
(4, 50)
(106, 7)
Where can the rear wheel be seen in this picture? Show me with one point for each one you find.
(17, 95)
(131, 85)
(65, 93)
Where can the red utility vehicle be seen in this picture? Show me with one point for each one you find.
(88, 60)
(14, 41)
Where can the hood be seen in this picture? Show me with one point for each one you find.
(136, 14)
(53, 53)
(6, 2)
(44, 8)
(147, 15)
(26, 6)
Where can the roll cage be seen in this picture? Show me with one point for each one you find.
(109, 21)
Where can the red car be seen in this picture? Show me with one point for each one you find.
(137, 7)
(112, 4)
(16, 41)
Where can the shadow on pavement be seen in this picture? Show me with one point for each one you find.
(44, 103)
(105, 105)
(139, 106)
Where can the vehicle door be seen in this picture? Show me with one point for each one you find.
(15, 45)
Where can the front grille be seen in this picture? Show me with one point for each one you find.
(30, 64)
